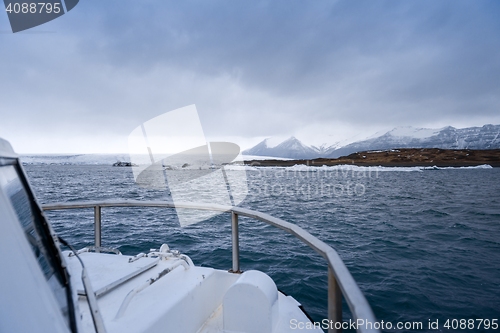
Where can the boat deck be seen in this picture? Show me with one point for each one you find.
(183, 298)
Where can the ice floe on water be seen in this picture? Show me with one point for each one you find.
(482, 166)
(347, 167)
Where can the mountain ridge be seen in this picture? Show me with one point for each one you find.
(290, 148)
(479, 138)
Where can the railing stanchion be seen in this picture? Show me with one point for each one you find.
(97, 227)
(235, 237)
(334, 302)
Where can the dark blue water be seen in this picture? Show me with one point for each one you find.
(421, 245)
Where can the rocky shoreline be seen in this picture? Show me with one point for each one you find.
(405, 157)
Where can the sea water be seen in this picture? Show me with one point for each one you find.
(423, 245)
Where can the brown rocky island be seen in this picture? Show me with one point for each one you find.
(404, 157)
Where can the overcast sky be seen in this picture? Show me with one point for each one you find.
(320, 70)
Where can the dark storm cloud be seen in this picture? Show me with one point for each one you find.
(299, 46)
(257, 67)
(395, 55)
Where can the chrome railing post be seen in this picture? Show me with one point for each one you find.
(334, 302)
(97, 227)
(235, 238)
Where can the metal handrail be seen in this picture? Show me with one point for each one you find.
(340, 280)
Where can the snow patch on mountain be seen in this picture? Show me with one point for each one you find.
(412, 132)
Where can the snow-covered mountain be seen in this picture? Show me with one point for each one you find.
(290, 148)
(486, 137)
